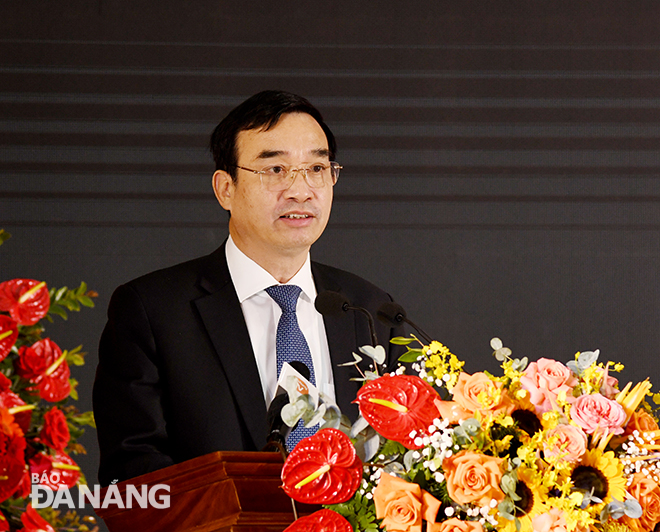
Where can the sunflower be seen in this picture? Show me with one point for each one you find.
(602, 473)
(532, 495)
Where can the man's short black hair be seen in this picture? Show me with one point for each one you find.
(263, 110)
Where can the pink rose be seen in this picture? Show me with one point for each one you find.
(545, 379)
(454, 525)
(596, 413)
(551, 521)
(566, 442)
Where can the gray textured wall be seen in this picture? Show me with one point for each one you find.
(501, 158)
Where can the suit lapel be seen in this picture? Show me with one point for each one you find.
(342, 342)
(222, 316)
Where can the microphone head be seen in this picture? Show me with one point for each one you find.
(391, 314)
(329, 302)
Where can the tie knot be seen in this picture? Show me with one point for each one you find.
(285, 295)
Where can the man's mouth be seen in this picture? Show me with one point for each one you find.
(295, 216)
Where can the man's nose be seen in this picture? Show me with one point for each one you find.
(299, 186)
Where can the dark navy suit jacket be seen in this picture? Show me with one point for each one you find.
(177, 376)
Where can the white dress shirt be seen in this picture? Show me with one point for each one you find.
(262, 315)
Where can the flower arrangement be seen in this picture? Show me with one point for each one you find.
(38, 428)
(545, 447)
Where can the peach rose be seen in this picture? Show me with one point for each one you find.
(596, 413)
(473, 477)
(568, 443)
(455, 525)
(641, 421)
(647, 493)
(545, 379)
(551, 521)
(479, 393)
(402, 505)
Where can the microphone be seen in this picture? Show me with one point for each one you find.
(329, 303)
(277, 429)
(393, 314)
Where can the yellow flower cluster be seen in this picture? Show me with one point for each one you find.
(442, 364)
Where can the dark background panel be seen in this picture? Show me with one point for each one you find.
(501, 158)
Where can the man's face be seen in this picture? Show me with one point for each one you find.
(265, 224)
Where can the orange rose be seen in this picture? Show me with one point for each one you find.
(479, 393)
(402, 505)
(455, 525)
(642, 421)
(647, 493)
(473, 477)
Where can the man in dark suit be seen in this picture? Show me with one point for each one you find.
(186, 361)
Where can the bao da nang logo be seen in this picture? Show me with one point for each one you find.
(143, 496)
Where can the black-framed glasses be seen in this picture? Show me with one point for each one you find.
(280, 177)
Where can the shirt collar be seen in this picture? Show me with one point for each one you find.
(250, 279)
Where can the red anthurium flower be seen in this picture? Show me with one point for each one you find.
(26, 300)
(17, 407)
(60, 470)
(8, 335)
(322, 469)
(24, 486)
(4, 524)
(12, 458)
(55, 386)
(396, 405)
(44, 364)
(321, 521)
(33, 522)
(55, 433)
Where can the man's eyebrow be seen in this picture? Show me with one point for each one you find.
(267, 154)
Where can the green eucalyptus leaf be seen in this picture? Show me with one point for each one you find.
(400, 340)
(411, 355)
(376, 353)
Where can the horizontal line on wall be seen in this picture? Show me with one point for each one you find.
(548, 47)
(363, 73)
(8, 224)
(366, 157)
(336, 101)
(384, 129)
(354, 198)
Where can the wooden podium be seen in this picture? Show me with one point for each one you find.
(218, 492)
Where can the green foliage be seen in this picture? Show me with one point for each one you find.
(400, 340)
(86, 418)
(64, 299)
(69, 521)
(411, 355)
(359, 511)
(75, 356)
(4, 236)
(392, 448)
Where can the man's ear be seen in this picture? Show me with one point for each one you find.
(223, 186)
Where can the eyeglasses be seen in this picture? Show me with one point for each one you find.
(278, 177)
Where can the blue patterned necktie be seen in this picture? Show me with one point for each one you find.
(291, 345)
